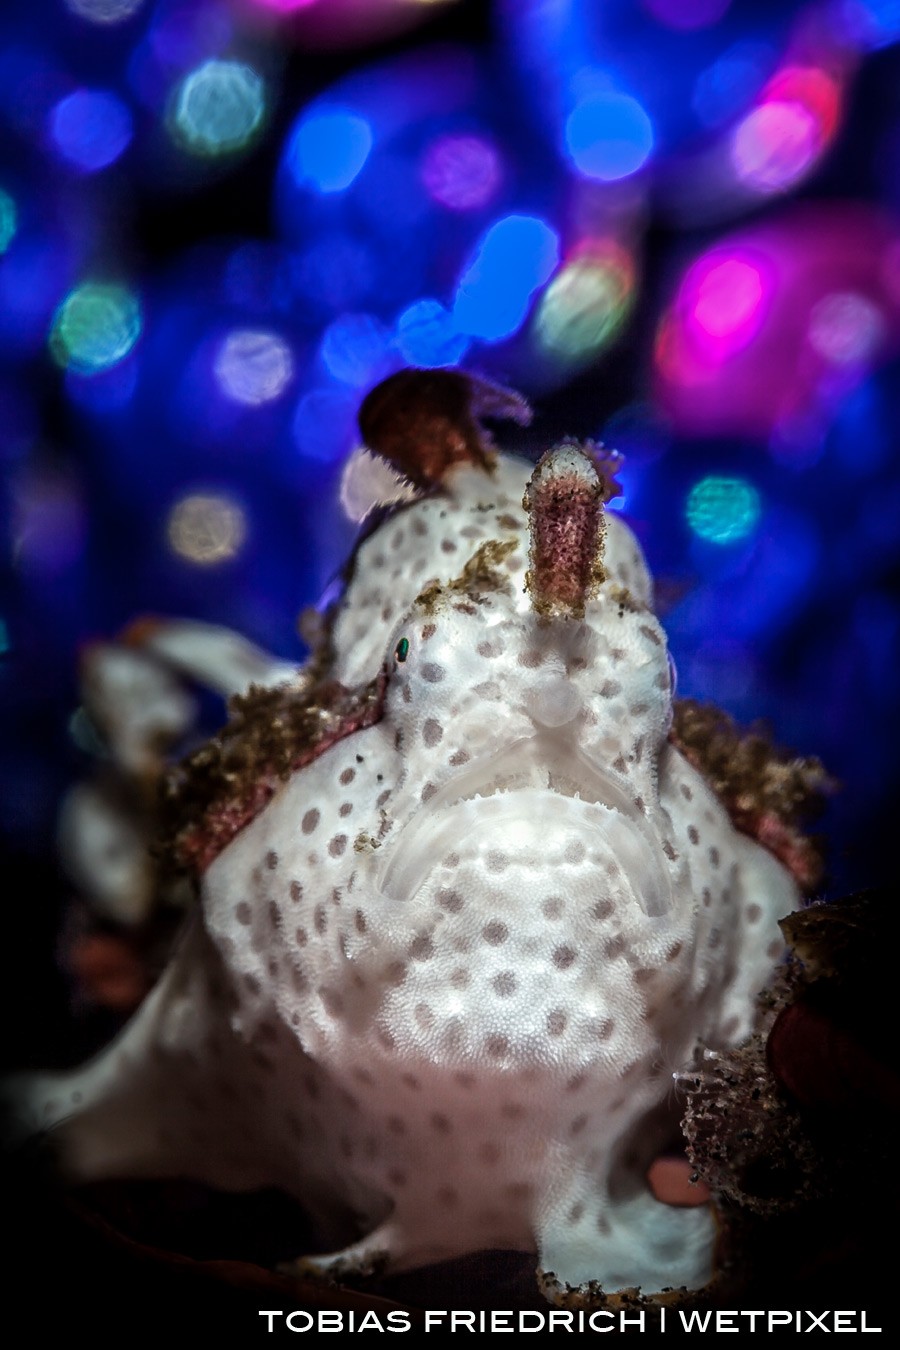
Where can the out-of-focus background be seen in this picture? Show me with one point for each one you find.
(669, 223)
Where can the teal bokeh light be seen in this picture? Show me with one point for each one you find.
(9, 220)
(219, 108)
(723, 510)
(95, 327)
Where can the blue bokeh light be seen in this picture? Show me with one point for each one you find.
(511, 261)
(356, 349)
(329, 148)
(608, 136)
(325, 424)
(336, 271)
(90, 128)
(728, 85)
(427, 335)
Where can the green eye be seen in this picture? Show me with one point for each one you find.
(402, 650)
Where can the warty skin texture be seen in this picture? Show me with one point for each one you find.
(438, 987)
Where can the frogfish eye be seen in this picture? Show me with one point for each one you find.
(401, 651)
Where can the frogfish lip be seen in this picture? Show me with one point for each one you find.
(528, 797)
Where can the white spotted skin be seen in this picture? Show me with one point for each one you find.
(441, 983)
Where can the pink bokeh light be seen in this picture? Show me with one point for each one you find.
(773, 327)
(724, 297)
(784, 135)
(462, 173)
(284, 6)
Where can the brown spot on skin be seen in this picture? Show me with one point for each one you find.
(564, 957)
(693, 834)
(296, 892)
(345, 809)
(488, 690)
(432, 732)
(309, 821)
(497, 1046)
(431, 673)
(440, 1123)
(428, 631)
(452, 901)
(610, 689)
(495, 933)
(337, 845)
(603, 910)
(557, 1021)
(504, 984)
(242, 912)
(427, 792)
(578, 1124)
(271, 859)
(553, 907)
(753, 913)
(460, 978)
(459, 757)
(421, 948)
(347, 777)
(651, 634)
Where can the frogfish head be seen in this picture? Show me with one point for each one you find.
(528, 701)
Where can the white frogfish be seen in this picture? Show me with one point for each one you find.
(464, 907)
